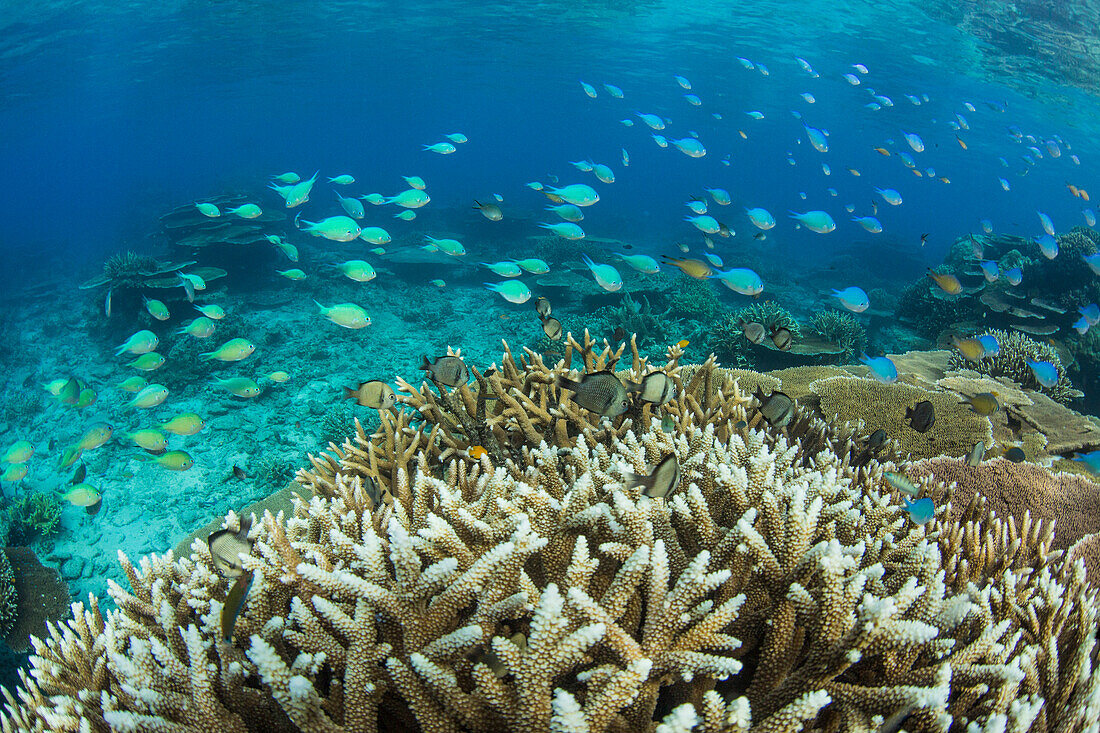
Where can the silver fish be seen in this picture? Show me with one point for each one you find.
(448, 370)
(656, 388)
(107, 303)
(661, 481)
(599, 392)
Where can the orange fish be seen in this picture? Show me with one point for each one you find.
(854, 172)
(947, 282)
(945, 179)
(743, 135)
(476, 452)
(1073, 189)
(883, 151)
(917, 173)
(961, 143)
(1083, 194)
(683, 343)
(691, 267)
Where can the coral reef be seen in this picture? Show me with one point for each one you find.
(727, 340)
(840, 328)
(9, 598)
(930, 313)
(771, 315)
(535, 588)
(272, 471)
(1011, 362)
(694, 299)
(43, 597)
(32, 515)
(132, 270)
(337, 422)
(636, 318)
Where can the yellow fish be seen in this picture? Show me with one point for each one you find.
(157, 309)
(347, 315)
(95, 436)
(83, 495)
(200, 328)
(19, 452)
(239, 386)
(278, 377)
(211, 311)
(151, 440)
(232, 350)
(174, 460)
(186, 424)
(147, 362)
(141, 342)
(14, 472)
(134, 384)
(476, 452)
(947, 282)
(151, 396)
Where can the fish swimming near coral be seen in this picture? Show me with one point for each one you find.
(656, 388)
(662, 479)
(754, 332)
(234, 604)
(226, 546)
(600, 392)
(543, 307)
(922, 511)
(976, 454)
(552, 328)
(448, 370)
(983, 403)
(375, 393)
(777, 408)
(921, 416)
(781, 337)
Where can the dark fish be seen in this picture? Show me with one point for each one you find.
(70, 393)
(777, 408)
(226, 546)
(923, 239)
(754, 332)
(234, 604)
(552, 328)
(93, 509)
(375, 393)
(655, 388)
(239, 473)
(759, 236)
(448, 370)
(902, 483)
(371, 487)
(79, 475)
(52, 445)
(1016, 455)
(723, 230)
(781, 337)
(542, 307)
(619, 334)
(741, 425)
(661, 481)
(599, 392)
(983, 403)
(491, 212)
(976, 454)
(921, 416)
(894, 722)
(876, 440)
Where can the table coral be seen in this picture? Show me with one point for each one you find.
(534, 588)
(1011, 361)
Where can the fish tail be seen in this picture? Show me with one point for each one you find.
(296, 218)
(321, 307)
(567, 383)
(477, 204)
(588, 260)
(495, 287)
(425, 364)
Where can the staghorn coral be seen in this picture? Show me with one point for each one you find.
(840, 328)
(9, 597)
(777, 588)
(1011, 362)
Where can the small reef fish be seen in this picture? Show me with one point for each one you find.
(655, 388)
(853, 298)
(661, 481)
(921, 416)
(902, 483)
(976, 454)
(606, 276)
(70, 456)
(990, 270)
(992, 346)
(971, 348)
(232, 350)
(342, 180)
(1048, 245)
(226, 548)
(653, 122)
(720, 195)
(754, 332)
(447, 370)
(514, 291)
(456, 137)
(578, 194)
(209, 210)
(642, 263)
(881, 368)
(347, 315)
(234, 604)
(869, 223)
(534, 265)
(288, 177)
(440, 148)
(922, 511)
(376, 199)
(1045, 372)
(889, 195)
(452, 247)
(375, 235)
(740, 280)
(191, 282)
(141, 342)
(246, 211)
(564, 229)
(568, 212)
(983, 403)
(1091, 460)
(760, 218)
(292, 274)
(157, 309)
(781, 337)
(186, 424)
(818, 222)
(505, 268)
(83, 495)
(1015, 276)
(14, 473)
(777, 408)
(149, 439)
(689, 146)
(147, 362)
(277, 377)
(173, 460)
(211, 311)
(413, 198)
(239, 386)
(1015, 454)
(491, 212)
(603, 173)
(551, 327)
(600, 392)
(150, 396)
(200, 328)
(357, 270)
(18, 452)
(947, 282)
(691, 267)
(297, 193)
(289, 250)
(543, 307)
(352, 207)
(335, 228)
(1048, 224)
(375, 393)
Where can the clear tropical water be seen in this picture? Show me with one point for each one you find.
(114, 114)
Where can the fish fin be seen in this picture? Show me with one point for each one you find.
(425, 364)
(296, 218)
(566, 383)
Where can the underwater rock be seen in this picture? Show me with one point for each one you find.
(43, 597)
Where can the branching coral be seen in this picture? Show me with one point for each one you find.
(840, 328)
(534, 588)
(635, 318)
(32, 515)
(771, 315)
(693, 298)
(1011, 362)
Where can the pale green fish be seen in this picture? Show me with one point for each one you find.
(720, 195)
(411, 199)
(353, 207)
(141, 342)
(55, 386)
(208, 210)
(374, 198)
(606, 276)
(196, 282)
(211, 311)
(569, 212)
(86, 397)
(297, 194)
(14, 472)
(347, 315)
(149, 439)
(239, 386)
(148, 362)
(292, 274)
(186, 424)
(514, 291)
(415, 182)
(336, 228)
(690, 147)
(342, 180)
(133, 384)
(441, 148)
(174, 460)
(358, 270)
(456, 137)
(641, 263)
(604, 173)
(438, 283)
(83, 495)
(246, 211)
(740, 280)
(375, 235)
(232, 350)
(579, 194)
(19, 452)
(407, 215)
(564, 229)
(289, 250)
(289, 177)
(157, 309)
(378, 251)
(505, 268)
(452, 247)
(534, 265)
(150, 396)
(274, 238)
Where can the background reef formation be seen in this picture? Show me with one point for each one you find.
(536, 588)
